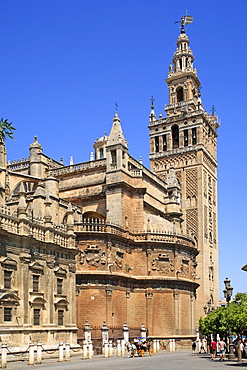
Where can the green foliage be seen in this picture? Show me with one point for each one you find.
(237, 314)
(223, 319)
(6, 129)
(215, 322)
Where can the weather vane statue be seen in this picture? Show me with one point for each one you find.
(185, 19)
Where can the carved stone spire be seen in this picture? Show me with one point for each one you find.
(22, 205)
(48, 217)
(70, 220)
(116, 135)
(152, 115)
(2, 154)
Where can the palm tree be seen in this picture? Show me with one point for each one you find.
(6, 129)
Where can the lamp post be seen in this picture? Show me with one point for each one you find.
(228, 294)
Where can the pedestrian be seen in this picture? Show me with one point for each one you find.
(213, 349)
(202, 348)
(222, 348)
(193, 345)
(245, 348)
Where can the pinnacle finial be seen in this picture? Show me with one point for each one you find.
(152, 102)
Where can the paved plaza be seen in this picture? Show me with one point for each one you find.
(171, 361)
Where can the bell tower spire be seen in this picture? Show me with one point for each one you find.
(186, 140)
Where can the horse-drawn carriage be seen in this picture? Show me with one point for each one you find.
(139, 347)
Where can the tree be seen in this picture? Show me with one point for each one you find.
(214, 323)
(6, 130)
(237, 317)
(227, 319)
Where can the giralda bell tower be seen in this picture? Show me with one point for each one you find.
(186, 139)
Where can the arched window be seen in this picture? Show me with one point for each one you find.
(157, 147)
(186, 138)
(180, 94)
(175, 137)
(164, 143)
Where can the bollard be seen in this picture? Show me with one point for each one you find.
(110, 348)
(154, 345)
(122, 347)
(39, 353)
(67, 351)
(157, 346)
(4, 356)
(125, 333)
(60, 356)
(84, 352)
(31, 354)
(106, 349)
(90, 350)
(118, 348)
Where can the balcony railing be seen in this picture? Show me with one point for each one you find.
(99, 226)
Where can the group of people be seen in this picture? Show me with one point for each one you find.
(202, 344)
(136, 345)
(221, 346)
(222, 349)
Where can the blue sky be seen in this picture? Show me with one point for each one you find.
(64, 63)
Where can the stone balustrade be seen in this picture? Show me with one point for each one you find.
(153, 235)
(54, 234)
(78, 167)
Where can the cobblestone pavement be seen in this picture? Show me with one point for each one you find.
(171, 361)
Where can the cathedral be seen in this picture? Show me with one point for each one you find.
(108, 240)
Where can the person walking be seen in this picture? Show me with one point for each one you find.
(222, 348)
(202, 348)
(193, 345)
(213, 349)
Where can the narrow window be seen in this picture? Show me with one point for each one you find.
(7, 314)
(180, 64)
(186, 138)
(36, 316)
(194, 138)
(175, 137)
(60, 317)
(59, 286)
(164, 143)
(180, 94)
(35, 283)
(113, 157)
(101, 153)
(157, 148)
(7, 279)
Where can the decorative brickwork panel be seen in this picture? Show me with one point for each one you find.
(192, 222)
(179, 176)
(191, 183)
(214, 192)
(205, 221)
(205, 187)
(214, 228)
(180, 160)
(209, 163)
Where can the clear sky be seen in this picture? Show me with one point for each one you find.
(64, 63)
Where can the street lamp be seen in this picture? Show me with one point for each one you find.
(228, 294)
